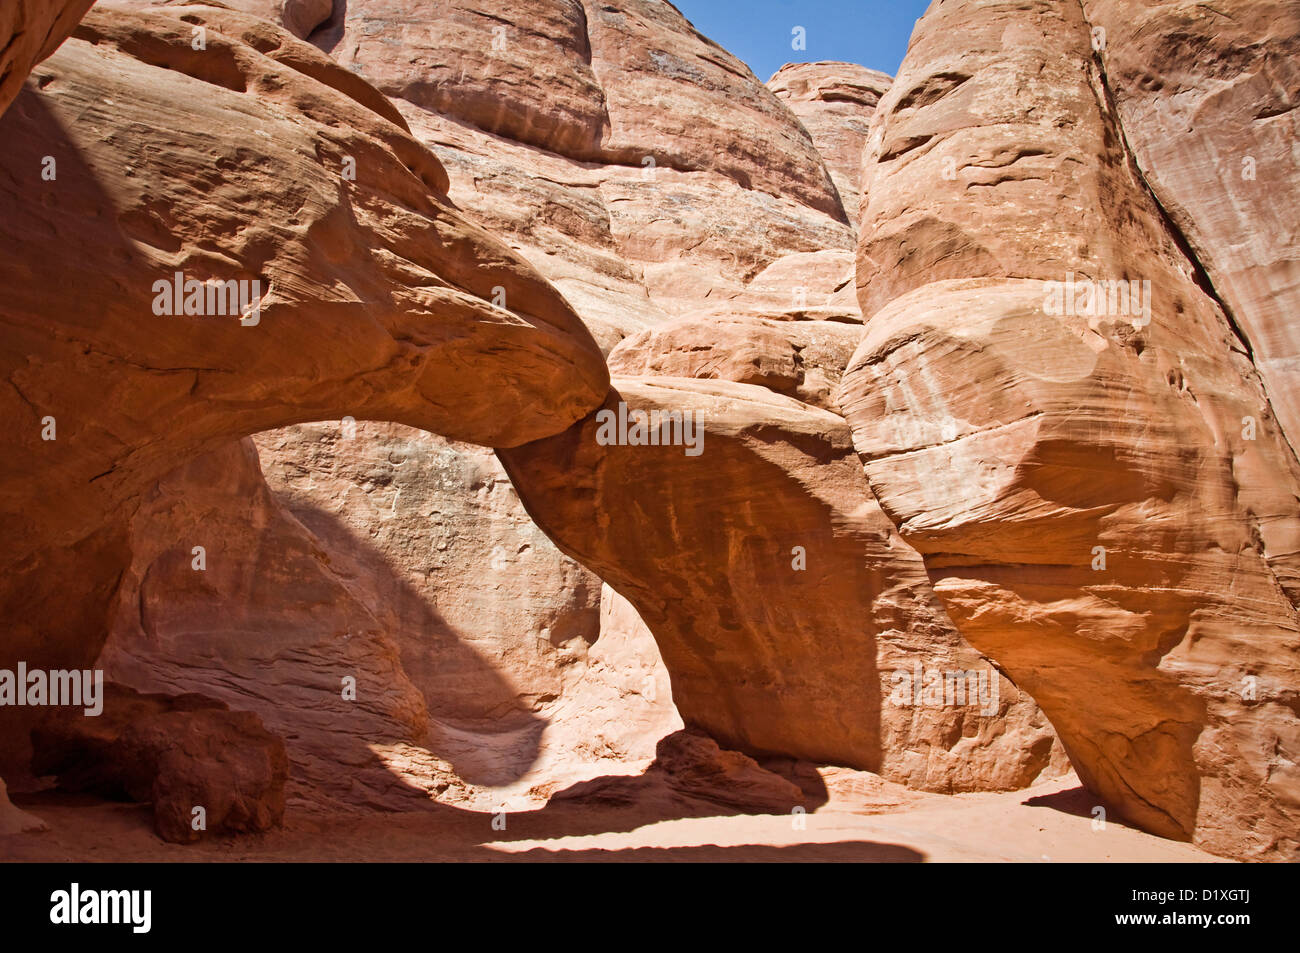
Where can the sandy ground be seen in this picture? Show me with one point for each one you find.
(860, 820)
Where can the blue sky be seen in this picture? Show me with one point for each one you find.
(871, 32)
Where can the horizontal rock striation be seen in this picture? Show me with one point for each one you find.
(1101, 492)
(835, 103)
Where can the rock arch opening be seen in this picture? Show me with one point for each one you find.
(484, 664)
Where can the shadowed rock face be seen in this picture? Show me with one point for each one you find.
(13, 820)
(725, 552)
(364, 605)
(263, 604)
(376, 298)
(31, 30)
(180, 754)
(527, 677)
(1104, 502)
(834, 102)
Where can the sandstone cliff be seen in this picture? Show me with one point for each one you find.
(1101, 492)
(987, 369)
(834, 102)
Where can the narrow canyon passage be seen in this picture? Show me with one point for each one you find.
(517, 426)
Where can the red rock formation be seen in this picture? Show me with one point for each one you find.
(722, 553)
(31, 30)
(835, 102)
(299, 17)
(1102, 504)
(181, 754)
(376, 300)
(1208, 102)
(573, 130)
(747, 254)
(1104, 501)
(800, 359)
(764, 255)
(602, 65)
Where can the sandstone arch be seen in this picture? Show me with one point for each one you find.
(1001, 444)
(764, 655)
(130, 397)
(380, 301)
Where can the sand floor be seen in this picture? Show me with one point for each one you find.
(1051, 822)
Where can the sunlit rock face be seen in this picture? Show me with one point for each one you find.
(835, 103)
(1214, 132)
(1103, 497)
(640, 167)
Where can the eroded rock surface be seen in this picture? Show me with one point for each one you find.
(299, 17)
(835, 102)
(800, 359)
(180, 753)
(1208, 101)
(577, 78)
(641, 168)
(724, 551)
(1104, 501)
(376, 298)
